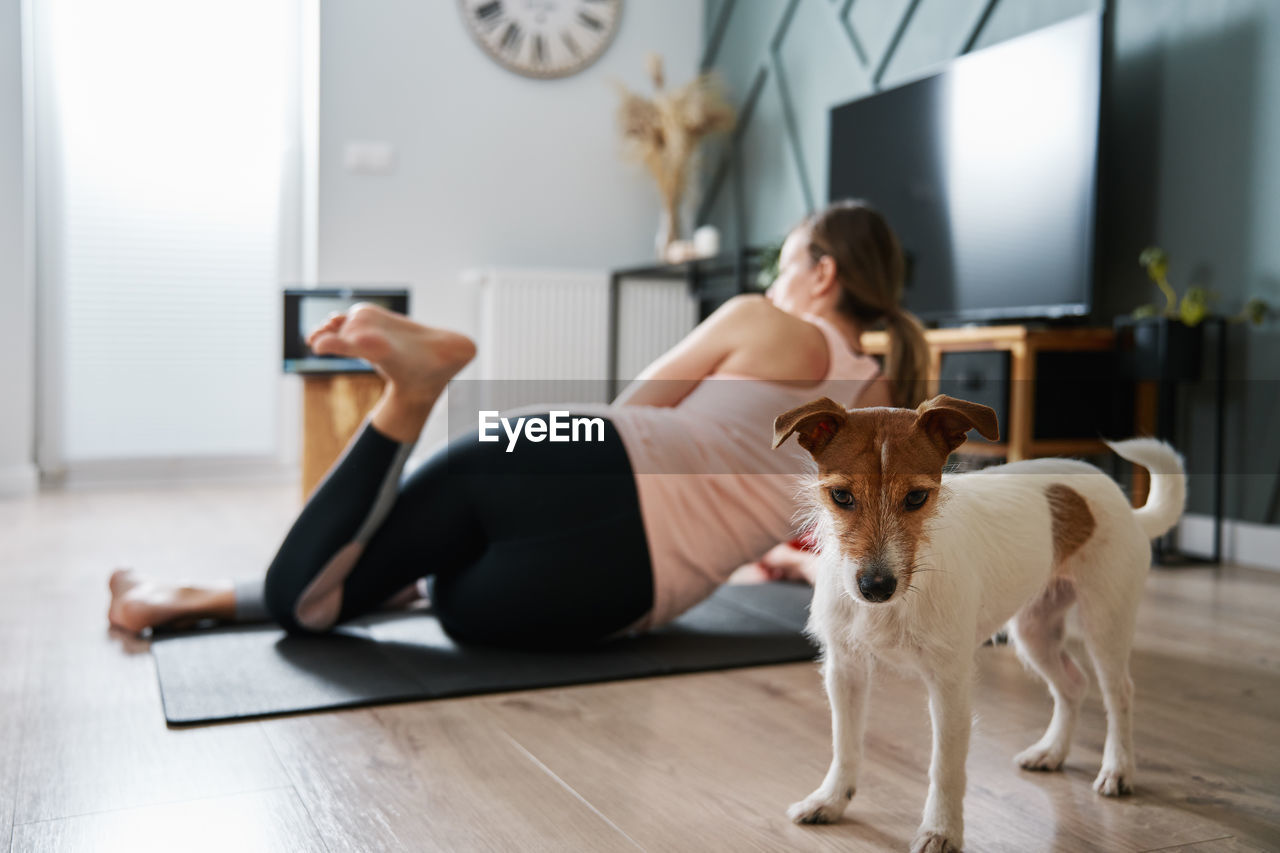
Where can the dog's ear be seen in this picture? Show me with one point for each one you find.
(947, 420)
(815, 423)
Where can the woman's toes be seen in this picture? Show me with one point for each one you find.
(121, 580)
(131, 616)
(329, 326)
(323, 342)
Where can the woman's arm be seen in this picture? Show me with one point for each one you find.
(678, 371)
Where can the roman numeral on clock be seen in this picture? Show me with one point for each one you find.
(489, 11)
(511, 38)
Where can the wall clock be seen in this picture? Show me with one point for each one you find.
(543, 38)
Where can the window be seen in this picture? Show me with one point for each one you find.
(169, 175)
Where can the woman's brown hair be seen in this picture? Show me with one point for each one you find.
(871, 270)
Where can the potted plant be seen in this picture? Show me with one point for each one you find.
(1166, 343)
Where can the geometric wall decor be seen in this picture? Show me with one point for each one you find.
(786, 63)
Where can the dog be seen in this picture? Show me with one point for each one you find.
(916, 569)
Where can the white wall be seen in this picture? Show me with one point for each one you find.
(17, 312)
(492, 169)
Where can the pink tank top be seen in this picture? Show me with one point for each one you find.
(714, 494)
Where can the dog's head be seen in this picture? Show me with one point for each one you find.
(879, 471)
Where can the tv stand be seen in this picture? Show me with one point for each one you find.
(1023, 343)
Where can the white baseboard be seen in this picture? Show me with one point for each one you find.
(1243, 543)
(18, 480)
(173, 472)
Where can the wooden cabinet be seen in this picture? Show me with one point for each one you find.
(334, 405)
(1023, 344)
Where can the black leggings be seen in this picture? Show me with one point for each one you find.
(543, 545)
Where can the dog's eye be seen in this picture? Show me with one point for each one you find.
(842, 497)
(915, 499)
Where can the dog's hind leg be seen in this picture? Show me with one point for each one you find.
(1107, 619)
(1038, 631)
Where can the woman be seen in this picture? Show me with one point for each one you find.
(571, 543)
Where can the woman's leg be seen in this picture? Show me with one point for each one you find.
(543, 546)
(416, 362)
(304, 585)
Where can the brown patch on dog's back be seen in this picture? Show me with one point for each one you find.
(1073, 523)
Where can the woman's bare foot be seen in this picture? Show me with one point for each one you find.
(781, 563)
(138, 603)
(786, 563)
(418, 360)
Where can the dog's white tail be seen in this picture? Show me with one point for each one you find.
(1168, 491)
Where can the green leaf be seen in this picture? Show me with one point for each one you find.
(1192, 312)
(1156, 262)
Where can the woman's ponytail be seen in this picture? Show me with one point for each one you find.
(872, 271)
(907, 361)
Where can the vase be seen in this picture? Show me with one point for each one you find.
(668, 228)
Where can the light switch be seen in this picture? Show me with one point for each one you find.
(369, 158)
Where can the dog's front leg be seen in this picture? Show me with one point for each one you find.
(942, 828)
(848, 679)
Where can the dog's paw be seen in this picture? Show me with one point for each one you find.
(934, 842)
(817, 808)
(1041, 758)
(1113, 782)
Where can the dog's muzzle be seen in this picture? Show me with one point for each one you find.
(877, 585)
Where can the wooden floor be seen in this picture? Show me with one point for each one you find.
(699, 762)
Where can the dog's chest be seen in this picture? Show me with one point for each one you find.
(882, 635)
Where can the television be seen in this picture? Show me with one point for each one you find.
(987, 171)
(305, 308)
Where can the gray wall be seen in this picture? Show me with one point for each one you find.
(1193, 116)
(17, 312)
(493, 168)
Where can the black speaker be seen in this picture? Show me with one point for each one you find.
(979, 377)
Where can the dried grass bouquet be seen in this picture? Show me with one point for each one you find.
(663, 133)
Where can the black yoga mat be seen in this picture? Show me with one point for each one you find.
(238, 672)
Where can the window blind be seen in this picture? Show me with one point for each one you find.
(168, 154)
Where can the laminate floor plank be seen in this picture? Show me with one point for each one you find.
(13, 657)
(94, 735)
(260, 822)
(431, 776)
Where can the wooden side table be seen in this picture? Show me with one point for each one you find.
(333, 407)
(1022, 343)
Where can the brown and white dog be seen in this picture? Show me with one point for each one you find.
(918, 568)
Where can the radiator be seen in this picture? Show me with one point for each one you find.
(543, 335)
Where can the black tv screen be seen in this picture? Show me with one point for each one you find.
(987, 172)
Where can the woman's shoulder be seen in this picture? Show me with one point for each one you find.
(772, 343)
(757, 311)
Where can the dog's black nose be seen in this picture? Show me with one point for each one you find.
(877, 586)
